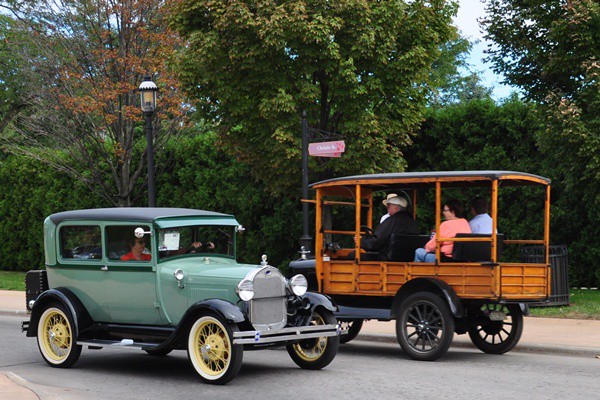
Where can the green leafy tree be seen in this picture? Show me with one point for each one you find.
(11, 81)
(80, 64)
(357, 67)
(551, 51)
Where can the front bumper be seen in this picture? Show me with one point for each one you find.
(286, 334)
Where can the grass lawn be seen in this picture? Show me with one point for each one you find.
(11, 280)
(585, 304)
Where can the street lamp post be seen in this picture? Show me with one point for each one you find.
(305, 240)
(148, 91)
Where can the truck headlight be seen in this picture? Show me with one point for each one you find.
(245, 289)
(298, 284)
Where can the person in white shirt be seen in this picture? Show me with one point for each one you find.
(481, 222)
(386, 216)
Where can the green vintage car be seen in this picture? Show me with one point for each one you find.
(163, 279)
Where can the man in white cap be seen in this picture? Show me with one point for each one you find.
(398, 222)
(387, 215)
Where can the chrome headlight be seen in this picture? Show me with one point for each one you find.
(245, 289)
(298, 284)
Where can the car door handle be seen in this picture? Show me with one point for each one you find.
(104, 268)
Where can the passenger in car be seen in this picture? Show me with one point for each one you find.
(137, 246)
(481, 222)
(386, 215)
(398, 222)
(454, 223)
(198, 247)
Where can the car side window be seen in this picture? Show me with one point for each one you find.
(122, 244)
(81, 242)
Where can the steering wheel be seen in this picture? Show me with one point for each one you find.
(368, 231)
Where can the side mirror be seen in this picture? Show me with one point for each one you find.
(139, 233)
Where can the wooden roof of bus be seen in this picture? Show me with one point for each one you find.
(416, 180)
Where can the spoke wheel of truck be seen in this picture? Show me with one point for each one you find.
(424, 326)
(55, 337)
(353, 326)
(498, 337)
(316, 353)
(211, 350)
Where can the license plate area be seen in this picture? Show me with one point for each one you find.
(496, 315)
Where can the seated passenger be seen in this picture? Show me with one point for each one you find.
(454, 223)
(481, 222)
(398, 222)
(198, 247)
(386, 215)
(137, 246)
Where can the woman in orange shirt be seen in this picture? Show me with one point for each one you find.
(454, 223)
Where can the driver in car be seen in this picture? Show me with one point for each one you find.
(399, 222)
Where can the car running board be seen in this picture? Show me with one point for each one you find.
(115, 344)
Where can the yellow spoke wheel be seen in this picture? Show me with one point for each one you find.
(316, 353)
(311, 349)
(211, 350)
(56, 339)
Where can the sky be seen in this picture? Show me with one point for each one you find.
(466, 20)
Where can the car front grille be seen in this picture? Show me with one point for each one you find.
(268, 306)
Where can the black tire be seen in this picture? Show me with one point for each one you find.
(56, 338)
(211, 350)
(158, 353)
(353, 326)
(498, 337)
(316, 353)
(424, 326)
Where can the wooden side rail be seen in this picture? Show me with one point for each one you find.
(465, 239)
(339, 232)
(524, 242)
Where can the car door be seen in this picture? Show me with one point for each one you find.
(131, 282)
(80, 267)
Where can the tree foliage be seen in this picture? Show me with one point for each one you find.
(11, 82)
(81, 63)
(358, 68)
(544, 47)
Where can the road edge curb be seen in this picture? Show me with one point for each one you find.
(521, 347)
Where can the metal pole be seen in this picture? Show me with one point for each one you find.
(150, 155)
(305, 240)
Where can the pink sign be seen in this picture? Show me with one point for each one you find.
(327, 149)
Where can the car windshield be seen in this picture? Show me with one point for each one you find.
(194, 240)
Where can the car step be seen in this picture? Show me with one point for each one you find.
(113, 344)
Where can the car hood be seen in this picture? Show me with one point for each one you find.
(211, 268)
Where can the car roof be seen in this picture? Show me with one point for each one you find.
(137, 214)
(427, 179)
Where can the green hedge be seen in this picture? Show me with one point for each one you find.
(29, 192)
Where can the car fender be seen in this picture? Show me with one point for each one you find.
(226, 310)
(429, 285)
(81, 317)
(318, 299)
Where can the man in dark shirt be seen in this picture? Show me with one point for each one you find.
(398, 222)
